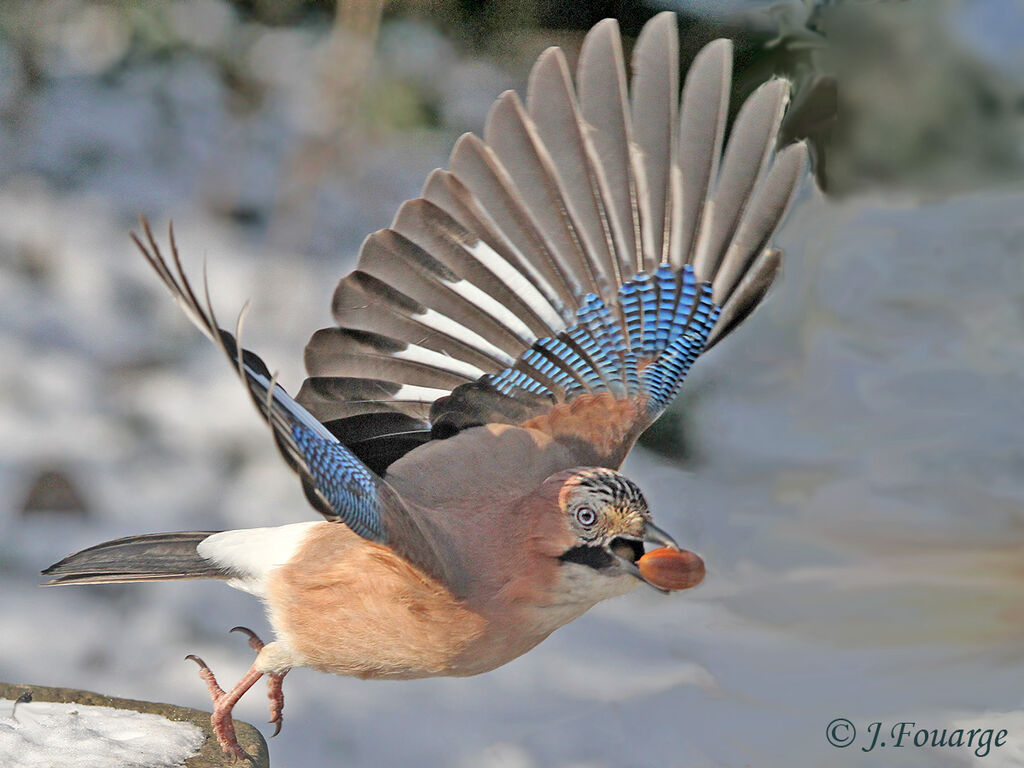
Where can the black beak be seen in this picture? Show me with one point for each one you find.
(654, 534)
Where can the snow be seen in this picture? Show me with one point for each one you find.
(74, 736)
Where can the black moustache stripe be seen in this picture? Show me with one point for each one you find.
(595, 557)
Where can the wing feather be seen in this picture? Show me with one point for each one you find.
(551, 104)
(604, 107)
(746, 155)
(345, 352)
(362, 302)
(568, 269)
(451, 195)
(512, 135)
(655, 98)
(760, 218)
(464, 254)
(477, 167)
(397, 261)
(702, 115)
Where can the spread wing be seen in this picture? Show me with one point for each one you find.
(337, 484)
(567, 269)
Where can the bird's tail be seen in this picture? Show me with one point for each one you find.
(151, 557)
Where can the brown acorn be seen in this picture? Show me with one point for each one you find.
(672, 569)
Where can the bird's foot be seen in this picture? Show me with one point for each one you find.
(223, 702)
(275, 680)
(276, 696)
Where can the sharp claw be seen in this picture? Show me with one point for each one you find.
(197, 660)
(254, 641)
(241, 754)
(277, 727)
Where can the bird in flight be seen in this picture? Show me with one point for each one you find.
(495, 355)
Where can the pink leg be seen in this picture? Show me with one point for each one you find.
(223, 703)
(276, 696)
(274, 682)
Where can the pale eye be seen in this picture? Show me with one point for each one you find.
(586, 516)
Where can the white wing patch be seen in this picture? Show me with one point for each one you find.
(409, 393)
(418, 354)
(444, 324)
(516, 282)
(488, 305)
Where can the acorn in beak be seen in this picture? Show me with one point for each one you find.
(666, 569)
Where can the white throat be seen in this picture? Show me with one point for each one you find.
(578, 589)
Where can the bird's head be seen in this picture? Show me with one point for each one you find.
(603, 524)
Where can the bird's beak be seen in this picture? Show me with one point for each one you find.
(633, 570)
(653, 534)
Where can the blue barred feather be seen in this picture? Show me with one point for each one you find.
(343, 480)
(585, 341)
(648, 291)
(581, 369)
(544, 365)
(595, 322)
(629, 300)
(667, 318)
(511, 380)
(668, 296)
(687, 294)
(630, 371)
(663, 378)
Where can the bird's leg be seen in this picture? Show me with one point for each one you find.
(274, 683)
(223, 703)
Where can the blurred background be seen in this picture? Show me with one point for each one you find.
(850, 464)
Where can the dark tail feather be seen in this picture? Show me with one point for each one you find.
(151, 557)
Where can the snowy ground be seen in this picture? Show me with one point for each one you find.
(856, 484)
(45, 733)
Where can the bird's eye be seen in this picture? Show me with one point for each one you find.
(586, 516)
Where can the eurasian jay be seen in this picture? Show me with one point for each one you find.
(498, 350)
